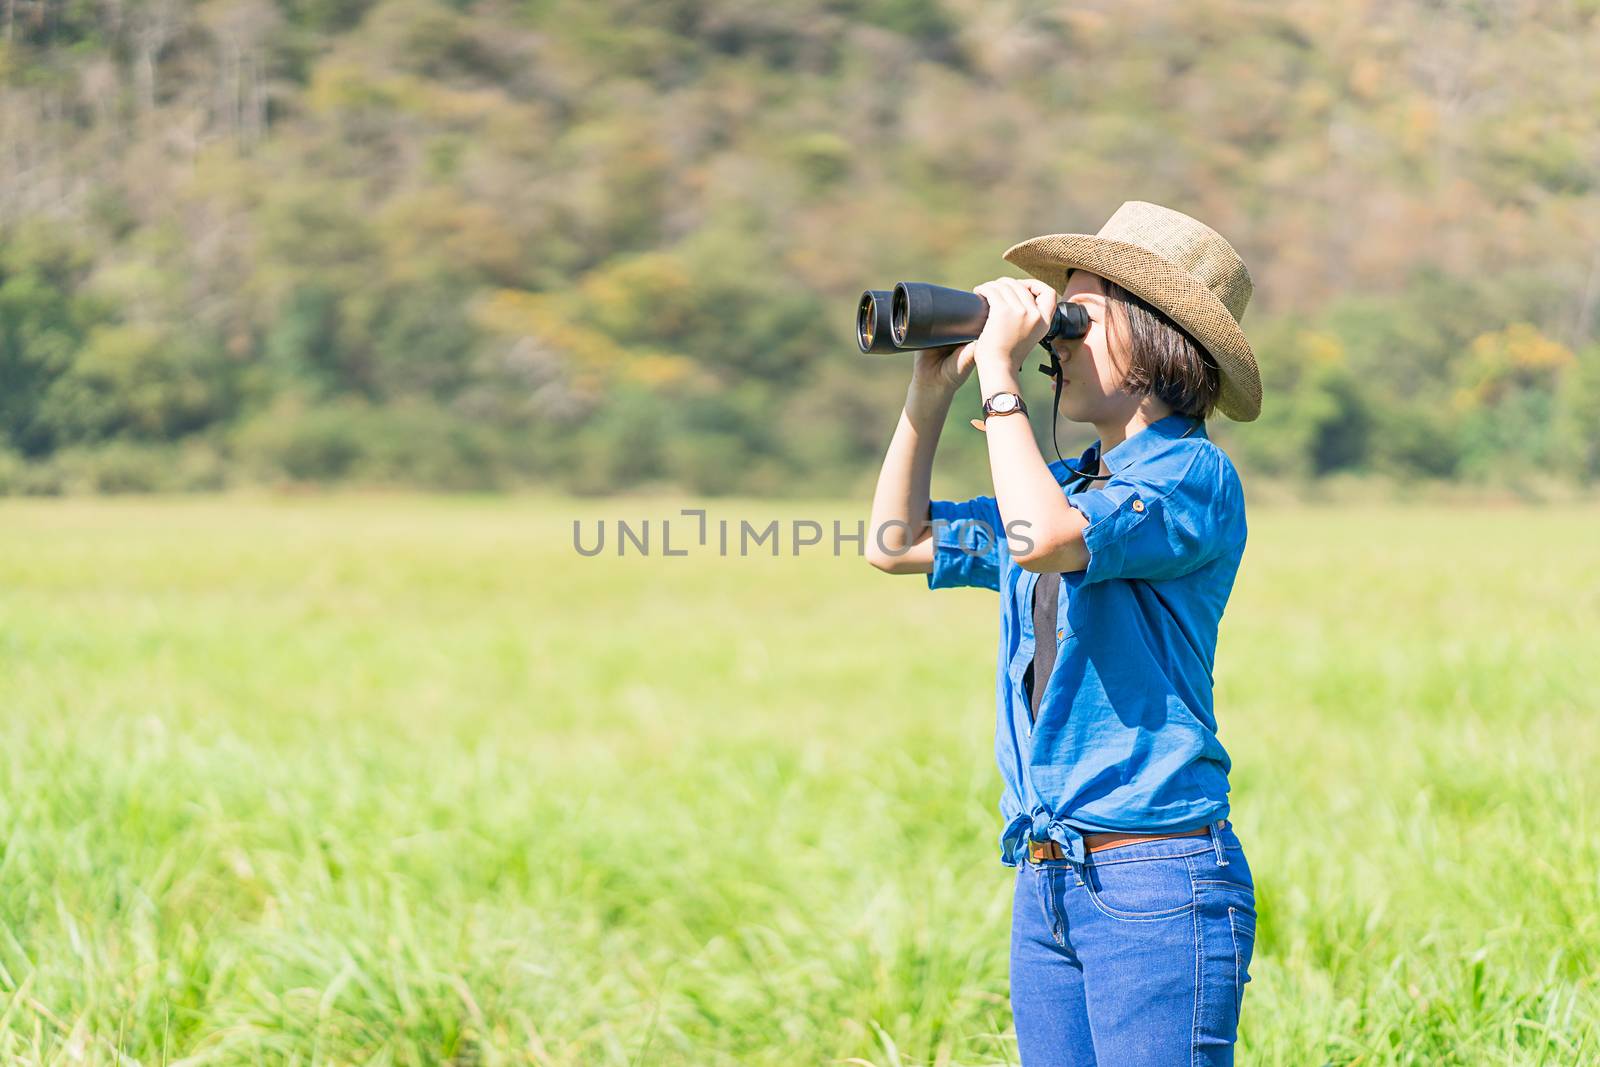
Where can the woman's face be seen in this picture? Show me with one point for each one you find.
(1092, 364)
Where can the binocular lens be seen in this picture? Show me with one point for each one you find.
(902, 314)
(873, 316)
(866, 322)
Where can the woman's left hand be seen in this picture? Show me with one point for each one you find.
(1020, 310)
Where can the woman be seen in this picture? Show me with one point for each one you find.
(1134, 912)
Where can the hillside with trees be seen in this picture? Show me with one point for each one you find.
(603, 245)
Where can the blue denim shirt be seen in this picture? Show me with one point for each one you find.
(1126, 737)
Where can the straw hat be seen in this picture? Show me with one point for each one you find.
(1178, 264)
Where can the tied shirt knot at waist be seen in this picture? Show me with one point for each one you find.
(1041, 827)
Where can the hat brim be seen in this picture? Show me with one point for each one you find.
(1183, 297)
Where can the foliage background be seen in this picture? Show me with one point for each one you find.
(603, 245)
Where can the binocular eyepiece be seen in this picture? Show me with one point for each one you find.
(919, 315)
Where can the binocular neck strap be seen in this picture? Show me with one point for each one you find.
(1054, 370)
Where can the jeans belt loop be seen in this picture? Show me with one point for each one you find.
(1216, 843)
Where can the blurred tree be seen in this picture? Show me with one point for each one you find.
(541, 238)
(43, 324)
(302, 345)
(140, 381)
(1506, 393)
(1578, 431)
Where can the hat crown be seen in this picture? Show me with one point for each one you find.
(1188, 244)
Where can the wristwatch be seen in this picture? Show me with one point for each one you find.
(1004, 404)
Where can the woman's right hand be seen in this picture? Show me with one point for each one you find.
(943, 370)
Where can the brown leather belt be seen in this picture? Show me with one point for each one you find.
(1051, 850)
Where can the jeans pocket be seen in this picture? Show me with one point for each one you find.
(1159, 887)
(1243, 924)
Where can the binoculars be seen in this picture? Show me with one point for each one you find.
(919, 315)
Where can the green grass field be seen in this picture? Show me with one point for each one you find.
(407, 780)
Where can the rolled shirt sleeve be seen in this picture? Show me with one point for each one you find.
(1140, 528)
(967, 543)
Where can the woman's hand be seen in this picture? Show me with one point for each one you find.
(1020, 310)
(936, 374)
(944, 369)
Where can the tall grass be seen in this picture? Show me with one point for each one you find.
(401, 780)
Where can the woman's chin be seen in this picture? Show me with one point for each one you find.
(1071, 413)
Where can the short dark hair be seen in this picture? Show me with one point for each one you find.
(1165, 361)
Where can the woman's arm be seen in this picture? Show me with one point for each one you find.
(898, 540)
(1029, 498)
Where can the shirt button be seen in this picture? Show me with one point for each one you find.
(1138, 505)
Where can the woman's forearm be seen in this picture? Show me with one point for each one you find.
(897, 539)
(1045, 532)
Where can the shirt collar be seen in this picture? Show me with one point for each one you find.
(1146, 442)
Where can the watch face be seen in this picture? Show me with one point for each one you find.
(1003, 403)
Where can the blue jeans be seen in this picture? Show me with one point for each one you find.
(1137, 958)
